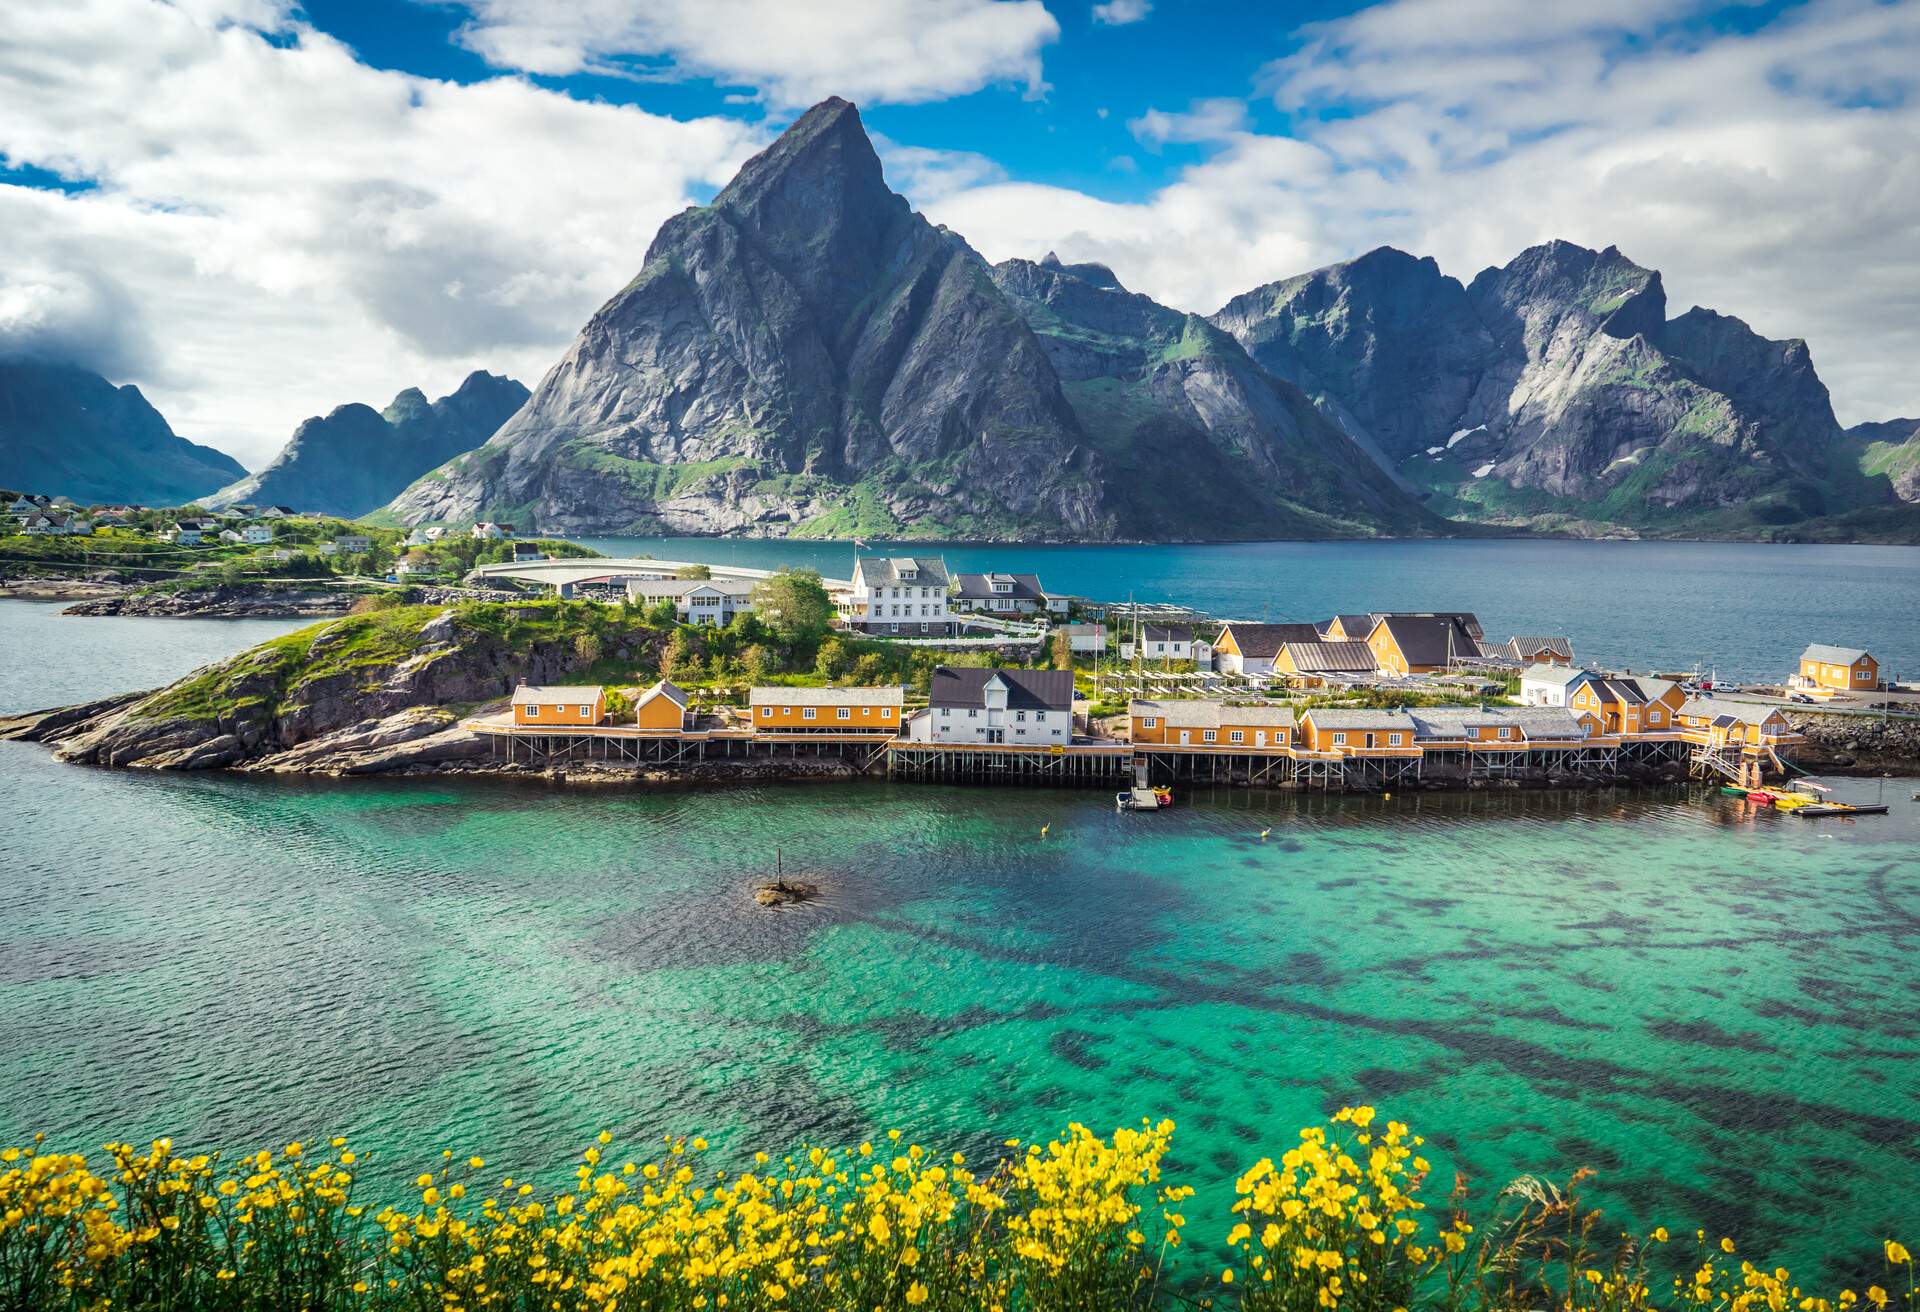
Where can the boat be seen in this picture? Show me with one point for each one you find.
(1142, 799)
(1793, 801)
(1815, 810)
(1760, 798)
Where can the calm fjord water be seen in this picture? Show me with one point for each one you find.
(1746, 607)
(1714, 1008)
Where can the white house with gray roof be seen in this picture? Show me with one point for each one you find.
(899, 597)
(1551, 685)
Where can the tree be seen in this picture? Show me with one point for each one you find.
(695, 572)
(794, 605)
(758, 663)
(831, 662)
(1062, 650)
(681, 659)
(869, 670)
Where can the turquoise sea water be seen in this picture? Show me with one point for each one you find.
(1713, 1008)
(1748, 608)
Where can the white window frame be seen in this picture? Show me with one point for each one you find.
(809, 713)
(1238, 735)
(844, 713)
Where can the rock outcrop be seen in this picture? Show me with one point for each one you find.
(66, 431)
(808, 355)
(361, 694)
(357, 459)
(227, 601)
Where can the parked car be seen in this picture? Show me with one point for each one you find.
(1802, 698)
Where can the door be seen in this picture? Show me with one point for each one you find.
(1186, 737)
(1259, 737)
(996, 735)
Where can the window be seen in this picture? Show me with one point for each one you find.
(1393, 740)
(865, 711)
(1339, 740)
(1505, 731)
(584, 710)
(766, 712)
(1238, 736)
(533, 712)
(973, 713)
(1209, 735)
(809, 714)
(1020, 717)
(845, 713)
(1653, 717)
(1149, 722)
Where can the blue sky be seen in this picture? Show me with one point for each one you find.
(1100, 76)
(257, 210)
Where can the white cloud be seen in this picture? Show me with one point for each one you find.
(301, 230)
(1769, 175)
(1118, 13)
(56, 307)
(898, 51)
(1220, 119)
(928, 175)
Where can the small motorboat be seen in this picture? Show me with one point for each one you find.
(1817, 809)
(1138, 799)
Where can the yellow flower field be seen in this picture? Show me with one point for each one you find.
(1081, 1222)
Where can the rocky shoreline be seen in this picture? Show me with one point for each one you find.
(226, 602)
(1857, 745)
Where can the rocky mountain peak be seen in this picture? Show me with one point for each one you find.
(409, 404)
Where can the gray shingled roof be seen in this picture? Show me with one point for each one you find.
(1332, 657)
(1431, 639)
(1196, 713)
(1167, 633)
(979, 587)
(1045, 690)
(1527, 649)
(1557, 675)
(1339, 717)
(1261, 641)
(1820, 651)
(893, 696)
(1535, 722)
(1717, 710)
(877, 571)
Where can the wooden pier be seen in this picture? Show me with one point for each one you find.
(1103, 763)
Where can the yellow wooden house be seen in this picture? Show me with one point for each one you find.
(826, 710)
(1838, 669)
(661, 708)
(564, 706)
(1629, 704)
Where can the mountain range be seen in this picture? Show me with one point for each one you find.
(807, 355)
(1554, 392)
(356, 458)
(65, 430)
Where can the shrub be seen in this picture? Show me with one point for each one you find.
(1081, 1222)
